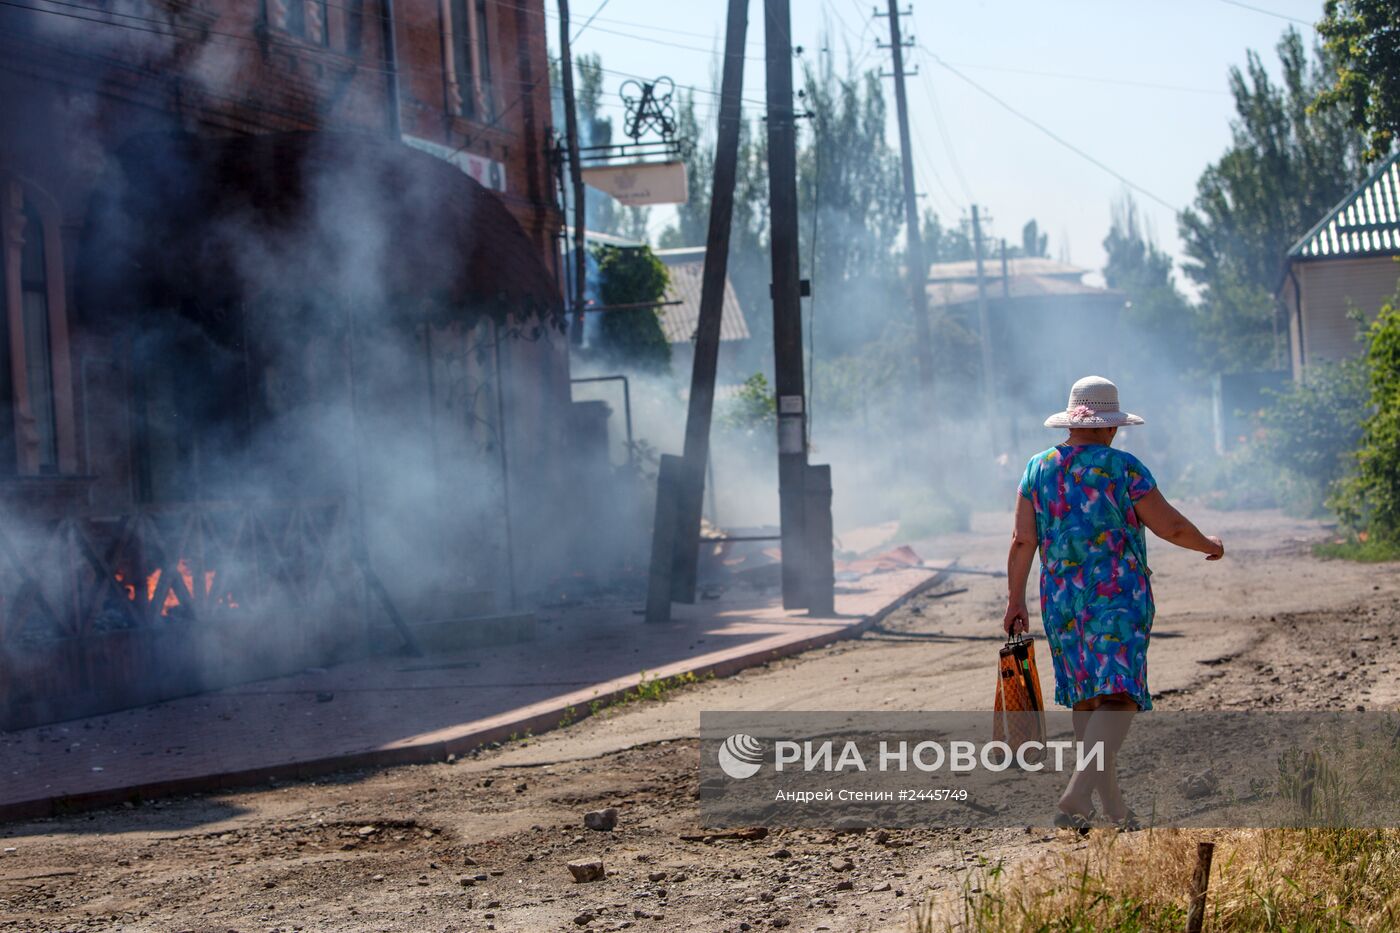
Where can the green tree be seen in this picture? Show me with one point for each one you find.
(1159, 317)
(753, 406)
(850, 197)
(1287, 165)
(632, 337)
(1369, 500)
(692, 217)
(1363, 39)
(848, 183)
(596, 129)
(1310, 431)
(1033, 242)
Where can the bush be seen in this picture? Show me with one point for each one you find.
(754, 406)
(1309, 432)
(1369, 499)
(633, 337)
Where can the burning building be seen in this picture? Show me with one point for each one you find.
(280, 364)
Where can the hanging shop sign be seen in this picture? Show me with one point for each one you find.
(489, 173)
(640, 182)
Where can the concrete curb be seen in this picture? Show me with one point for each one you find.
(437, 750)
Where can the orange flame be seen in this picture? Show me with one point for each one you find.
(183, 568)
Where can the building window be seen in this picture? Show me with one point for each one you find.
(38, 351)
(469, 77)
(35, 402)
(305, 19)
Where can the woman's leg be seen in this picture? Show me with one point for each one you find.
(1102, 719)
(1109, 724)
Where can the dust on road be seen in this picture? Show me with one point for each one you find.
(484, 843)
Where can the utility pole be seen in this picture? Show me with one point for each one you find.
(918, 269)
(984, 330)
(675, 562)
(806, 558)
(566, 67)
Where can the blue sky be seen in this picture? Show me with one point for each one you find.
(1139, 86)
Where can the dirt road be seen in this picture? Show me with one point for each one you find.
(483, 843)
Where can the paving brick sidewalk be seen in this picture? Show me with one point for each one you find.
(391, 710)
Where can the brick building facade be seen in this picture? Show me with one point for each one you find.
(279, 340)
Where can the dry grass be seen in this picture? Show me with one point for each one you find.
(1265, 879)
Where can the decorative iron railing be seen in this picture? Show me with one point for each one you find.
(197, 563)
(101, 612)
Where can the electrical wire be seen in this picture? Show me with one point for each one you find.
(1260, 9)
(942, 127)
(588, 22)
(1053, 135)
(1093, 79)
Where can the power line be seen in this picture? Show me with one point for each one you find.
(1092, 78)
(1260, 9)
(589, 22)
(1053, 135)
(947, 140)
(674, 45)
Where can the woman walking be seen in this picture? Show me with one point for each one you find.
(1084, 505)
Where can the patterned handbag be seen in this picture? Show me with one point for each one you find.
(1019, 712)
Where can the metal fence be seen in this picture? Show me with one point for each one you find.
(100, 613)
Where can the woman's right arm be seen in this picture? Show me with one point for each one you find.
(1170, 525)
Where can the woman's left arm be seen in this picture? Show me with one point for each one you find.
(1018, 568)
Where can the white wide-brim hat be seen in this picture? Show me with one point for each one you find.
(1093, 403)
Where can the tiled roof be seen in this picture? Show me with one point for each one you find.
(687, 267)
(1365, 223)
(950, 293)
(966, 269)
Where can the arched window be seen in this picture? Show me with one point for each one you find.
(36, 420)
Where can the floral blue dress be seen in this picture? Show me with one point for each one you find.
(1095, 597)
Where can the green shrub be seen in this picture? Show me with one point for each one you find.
(1310, 430)
(1369, 499)
(633, 337)
(753, 406)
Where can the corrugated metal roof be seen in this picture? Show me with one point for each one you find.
(1365, 223)
(687, 267)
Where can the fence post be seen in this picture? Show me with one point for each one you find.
(1196, 913)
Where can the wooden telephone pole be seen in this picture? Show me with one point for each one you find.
(680, 492)
(804, 491)
(984, 329)
(566, 68)
(914, 240)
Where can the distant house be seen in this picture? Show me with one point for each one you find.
(686, 267)
(1346, 262)
(1048, 327)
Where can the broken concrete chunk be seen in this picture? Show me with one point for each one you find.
(1201, 784)
(604, 821)
(585, 871)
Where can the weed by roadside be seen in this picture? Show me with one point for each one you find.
(1274, 879)
(1361, 548)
